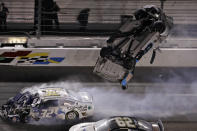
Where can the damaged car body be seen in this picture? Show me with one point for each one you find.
(47, 103)
(138, 35)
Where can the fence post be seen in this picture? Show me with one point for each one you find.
(38, 32)
(162, 3)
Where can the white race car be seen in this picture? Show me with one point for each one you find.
(119, 123)
(48, 103)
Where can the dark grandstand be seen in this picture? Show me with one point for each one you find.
(36, 17)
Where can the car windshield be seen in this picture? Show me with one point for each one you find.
(102, 125)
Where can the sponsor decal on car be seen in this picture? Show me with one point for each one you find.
(78, 107)
(51, 93)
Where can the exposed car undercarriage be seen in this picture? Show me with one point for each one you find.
(133, 40)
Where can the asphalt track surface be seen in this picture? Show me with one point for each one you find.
(175, 104)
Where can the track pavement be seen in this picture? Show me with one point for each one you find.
(176, 115)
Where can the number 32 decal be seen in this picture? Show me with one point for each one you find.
(125, 122)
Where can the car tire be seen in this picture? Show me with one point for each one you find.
(72, 115)
(159, 26)
(105, 51)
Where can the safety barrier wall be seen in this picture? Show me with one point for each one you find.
(86, 57)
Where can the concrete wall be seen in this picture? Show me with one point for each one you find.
(87, 57)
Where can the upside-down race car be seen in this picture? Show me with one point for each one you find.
(47, 103)
(120, 123)
(138, 35)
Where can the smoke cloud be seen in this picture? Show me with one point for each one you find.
(149, 101)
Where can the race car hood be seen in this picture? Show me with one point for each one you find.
(83, 127)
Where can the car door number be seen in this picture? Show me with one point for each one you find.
(47, 113)
(125, 122)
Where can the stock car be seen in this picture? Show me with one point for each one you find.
(119, 123)
(140, 34)
(47, 103)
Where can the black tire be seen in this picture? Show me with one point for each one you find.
(129, 63)
(105, 51)
(159, 26)
(72, 115)
(139, 14)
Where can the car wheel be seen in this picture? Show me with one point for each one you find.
(72, 115)
(105, 51)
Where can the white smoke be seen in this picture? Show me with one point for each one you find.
(153, 101)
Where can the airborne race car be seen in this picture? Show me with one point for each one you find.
(47, 103)
(138, 35)
(120, 123)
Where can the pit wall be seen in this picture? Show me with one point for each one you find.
(87, 57)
